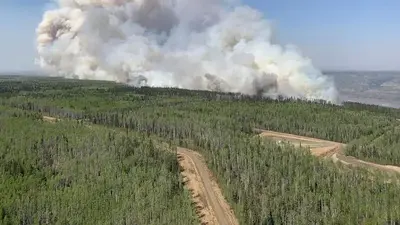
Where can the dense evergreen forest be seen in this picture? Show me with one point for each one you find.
(68, 173)
(110, 150)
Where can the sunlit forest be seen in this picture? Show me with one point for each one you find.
(110, 158)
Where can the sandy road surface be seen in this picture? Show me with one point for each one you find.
(211, 206)
(326, 149)
(49, 119)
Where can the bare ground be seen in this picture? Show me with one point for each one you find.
(49, 119)
(211, 206)
(326, 149)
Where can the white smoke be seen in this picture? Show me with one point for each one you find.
(193, 44)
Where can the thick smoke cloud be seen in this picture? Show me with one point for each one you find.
(193, 44)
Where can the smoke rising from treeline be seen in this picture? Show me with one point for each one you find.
(193, 44)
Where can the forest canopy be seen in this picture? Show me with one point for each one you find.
(111, 155)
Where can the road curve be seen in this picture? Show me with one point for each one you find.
(326, 149)
(212, 207)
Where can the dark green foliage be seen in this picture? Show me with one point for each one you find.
(382, 147)
(67, 173)
(265, 183)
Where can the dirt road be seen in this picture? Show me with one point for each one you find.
(326, 149)
(49, 119)
(211, 206)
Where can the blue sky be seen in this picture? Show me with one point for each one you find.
(335, 34)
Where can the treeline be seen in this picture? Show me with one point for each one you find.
(68, 173)
(324, 121)
(383, 147)
(266, 183)
(393, 112)
(277, 183)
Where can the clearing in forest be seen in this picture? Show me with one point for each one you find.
(326, 149)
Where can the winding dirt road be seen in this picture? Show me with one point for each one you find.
(211, 206)
(325, 149)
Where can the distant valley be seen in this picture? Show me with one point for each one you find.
(379, 88)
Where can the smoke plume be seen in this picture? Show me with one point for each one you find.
(193, 44)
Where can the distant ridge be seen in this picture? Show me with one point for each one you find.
(23, 73)
(359, 71)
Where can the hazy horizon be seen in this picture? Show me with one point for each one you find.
(38, 70)
(356, 86)
(355, 43)
(341, 36)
